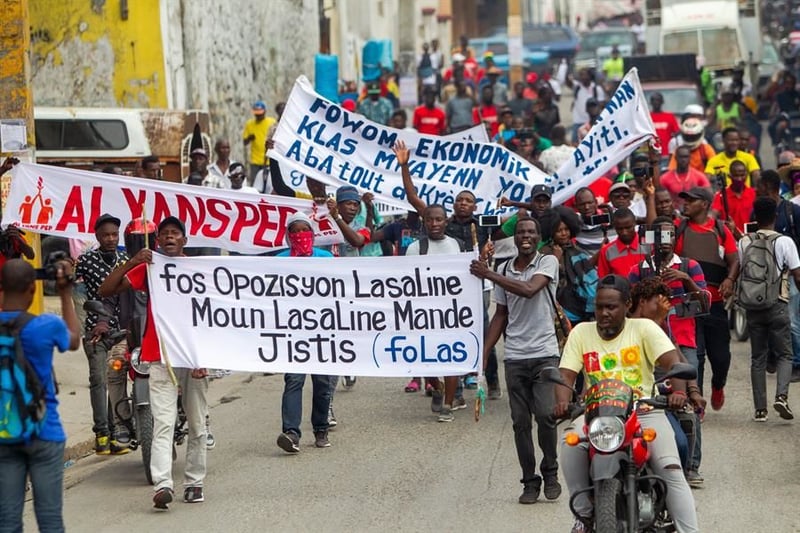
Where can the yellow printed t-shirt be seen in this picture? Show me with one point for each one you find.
(722, 160)
(259, 129)
(630, 357)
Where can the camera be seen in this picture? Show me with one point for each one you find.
(524, 133)
(48, 272)
(599, 220)
(489, 221)
(692, 304)
(751, 227)
(654, 235)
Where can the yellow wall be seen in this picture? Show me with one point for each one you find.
(121, 60)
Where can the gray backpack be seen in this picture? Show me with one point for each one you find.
(760, 277)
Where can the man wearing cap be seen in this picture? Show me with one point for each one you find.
(255, 134)
(500, 89)
(541, 200)
(198, 166)
(430, 118)
(106, 385)
(710, 243)
(237, 178)
(375, 107)
(300, 237)
(192, 383)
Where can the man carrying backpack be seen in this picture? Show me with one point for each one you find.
(767, 257)
(31, 447)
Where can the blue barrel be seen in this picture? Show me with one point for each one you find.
(326, 76)
(371, 56)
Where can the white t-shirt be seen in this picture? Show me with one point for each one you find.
(247, 189)
(579, 114)
(445, 246)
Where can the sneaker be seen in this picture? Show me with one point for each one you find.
(162, 498)
(437, 399)
(552, 488)
(321, 439)
(470, 382)
(349, 382)
(102, 446)
(717, 398)
(494, 391)
(332, 423)
(289, 442)
(693, 478)
(760, 416)
(782, 407)
(446, 414)
(122, 436)
(193, 495)
(459, 403)
(210, 441)
(530, 492)
(115, 448)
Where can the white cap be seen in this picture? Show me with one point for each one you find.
(458, 57)
(298, 216)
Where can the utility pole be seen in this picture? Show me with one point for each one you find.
(515, 50)
(16, 99)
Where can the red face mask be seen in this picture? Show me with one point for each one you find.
(301, 243)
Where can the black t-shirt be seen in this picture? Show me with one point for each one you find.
(788, 101)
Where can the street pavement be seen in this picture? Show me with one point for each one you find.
(391, 465)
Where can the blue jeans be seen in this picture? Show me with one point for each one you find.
(292, 402)
(44, 461)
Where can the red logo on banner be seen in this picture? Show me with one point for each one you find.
(40, 202)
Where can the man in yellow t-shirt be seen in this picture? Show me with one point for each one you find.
(722, 161)
(627, 349)
(614, 67)
(255, 134)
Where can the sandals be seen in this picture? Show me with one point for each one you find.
(413, 386)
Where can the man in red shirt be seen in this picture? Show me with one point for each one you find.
(711, 244)
(430, 118)
(683, 178)
(486, 112)
(621, 255)
(665, 124)
(740, 200)
(192, 383)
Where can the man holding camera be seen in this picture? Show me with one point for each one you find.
(42, 459)
(106, 385)
(625, 252)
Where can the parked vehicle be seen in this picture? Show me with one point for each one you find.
(559, 40)
(595, 46)
(674, 76)
(498, 45)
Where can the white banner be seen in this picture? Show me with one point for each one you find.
(319, 138)
(330, 144)
(66, 202)
(377, 316)
(623, 125)
(297, 180)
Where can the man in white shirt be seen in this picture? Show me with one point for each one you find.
(585, 89)
(237, 177)
(221, 167)
(769, 328)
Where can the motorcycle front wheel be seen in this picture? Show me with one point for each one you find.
(606, 494)
(144, 432)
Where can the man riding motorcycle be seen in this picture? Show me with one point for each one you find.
(627, 349)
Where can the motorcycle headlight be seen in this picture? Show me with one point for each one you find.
(606, 433)
(139, 366)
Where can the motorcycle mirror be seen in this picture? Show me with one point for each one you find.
(96, 307)
(680, 371)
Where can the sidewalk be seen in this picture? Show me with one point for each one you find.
(72, 373)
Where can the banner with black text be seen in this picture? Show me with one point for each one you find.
(66, 202)
(377, 316)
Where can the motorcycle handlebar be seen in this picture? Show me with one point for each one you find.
(573, 411)
(656, 402)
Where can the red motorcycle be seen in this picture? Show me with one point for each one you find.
(628, 496)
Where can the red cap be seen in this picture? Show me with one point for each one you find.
(531, 78)
(349, 104)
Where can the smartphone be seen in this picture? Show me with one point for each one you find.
(597, 220)
(489, 221)
(751, 227)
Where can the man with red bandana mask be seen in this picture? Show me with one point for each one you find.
(300, 237)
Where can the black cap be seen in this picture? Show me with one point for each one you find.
(541, 190)
(618, 283)
(172, 221)
(697, 193)
(105, 217)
